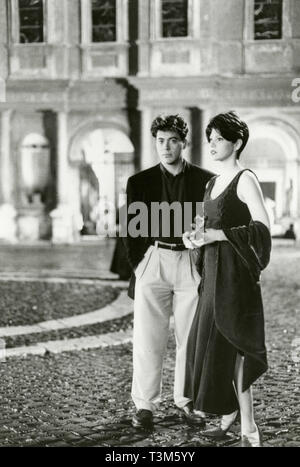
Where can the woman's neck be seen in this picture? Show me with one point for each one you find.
(229, 167)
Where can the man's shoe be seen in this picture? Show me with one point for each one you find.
(192, 416)
(143, 418)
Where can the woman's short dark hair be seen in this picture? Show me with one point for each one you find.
(170, 123)
(231, 127)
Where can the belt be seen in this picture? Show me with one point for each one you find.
(171, 246)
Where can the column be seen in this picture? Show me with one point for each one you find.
(62, 158)
(5, 157)
(63, 224)
(206, 161)
(144, 39)
(148, 153)
(194, 136)
(297, 201)
(7, 210)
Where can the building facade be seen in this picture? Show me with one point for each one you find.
(83, 80)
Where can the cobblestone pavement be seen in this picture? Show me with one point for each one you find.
(83, 398)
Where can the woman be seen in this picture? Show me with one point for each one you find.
(226, 349)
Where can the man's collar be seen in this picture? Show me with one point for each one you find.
(166, 172)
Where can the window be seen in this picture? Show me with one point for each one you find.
(174, 14)
(267, 19)
(104, 21)
(31, 21)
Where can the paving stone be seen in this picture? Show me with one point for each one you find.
(60, 444)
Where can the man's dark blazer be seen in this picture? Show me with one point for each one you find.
(146, 186)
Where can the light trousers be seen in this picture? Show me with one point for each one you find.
(166, 282)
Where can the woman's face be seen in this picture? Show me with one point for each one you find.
(220, 148)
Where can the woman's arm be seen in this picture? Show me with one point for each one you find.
(249, 191)
(206, 237)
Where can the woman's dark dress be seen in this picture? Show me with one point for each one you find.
(211, 357)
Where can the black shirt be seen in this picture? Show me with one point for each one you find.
(173, 190)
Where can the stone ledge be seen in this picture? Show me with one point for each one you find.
(81, 343)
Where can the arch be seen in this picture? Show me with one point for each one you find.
(264, 149)
(105, 148)
(274, 153)
(278, 129)
(106, 141)
(82, 130)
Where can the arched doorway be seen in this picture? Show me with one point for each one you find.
(104, 159)
(273, 155)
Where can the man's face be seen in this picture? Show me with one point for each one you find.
(169, 147)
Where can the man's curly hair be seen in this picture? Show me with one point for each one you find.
(231, 127)
(170, 123)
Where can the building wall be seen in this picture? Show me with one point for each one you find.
(220, 41)
(66, 86)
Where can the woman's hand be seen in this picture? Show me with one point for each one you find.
(186, 238)
(212, 236)
(193, 240)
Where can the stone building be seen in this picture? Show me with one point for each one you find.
(83, 80)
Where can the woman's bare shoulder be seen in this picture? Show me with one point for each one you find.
(248, 179)
(248, 185)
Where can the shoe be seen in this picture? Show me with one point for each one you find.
(252, 440)
(225, 424)
(193, 416)
(143, 419)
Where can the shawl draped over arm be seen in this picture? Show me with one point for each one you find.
(253, 245)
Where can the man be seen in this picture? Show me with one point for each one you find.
(165, 279)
